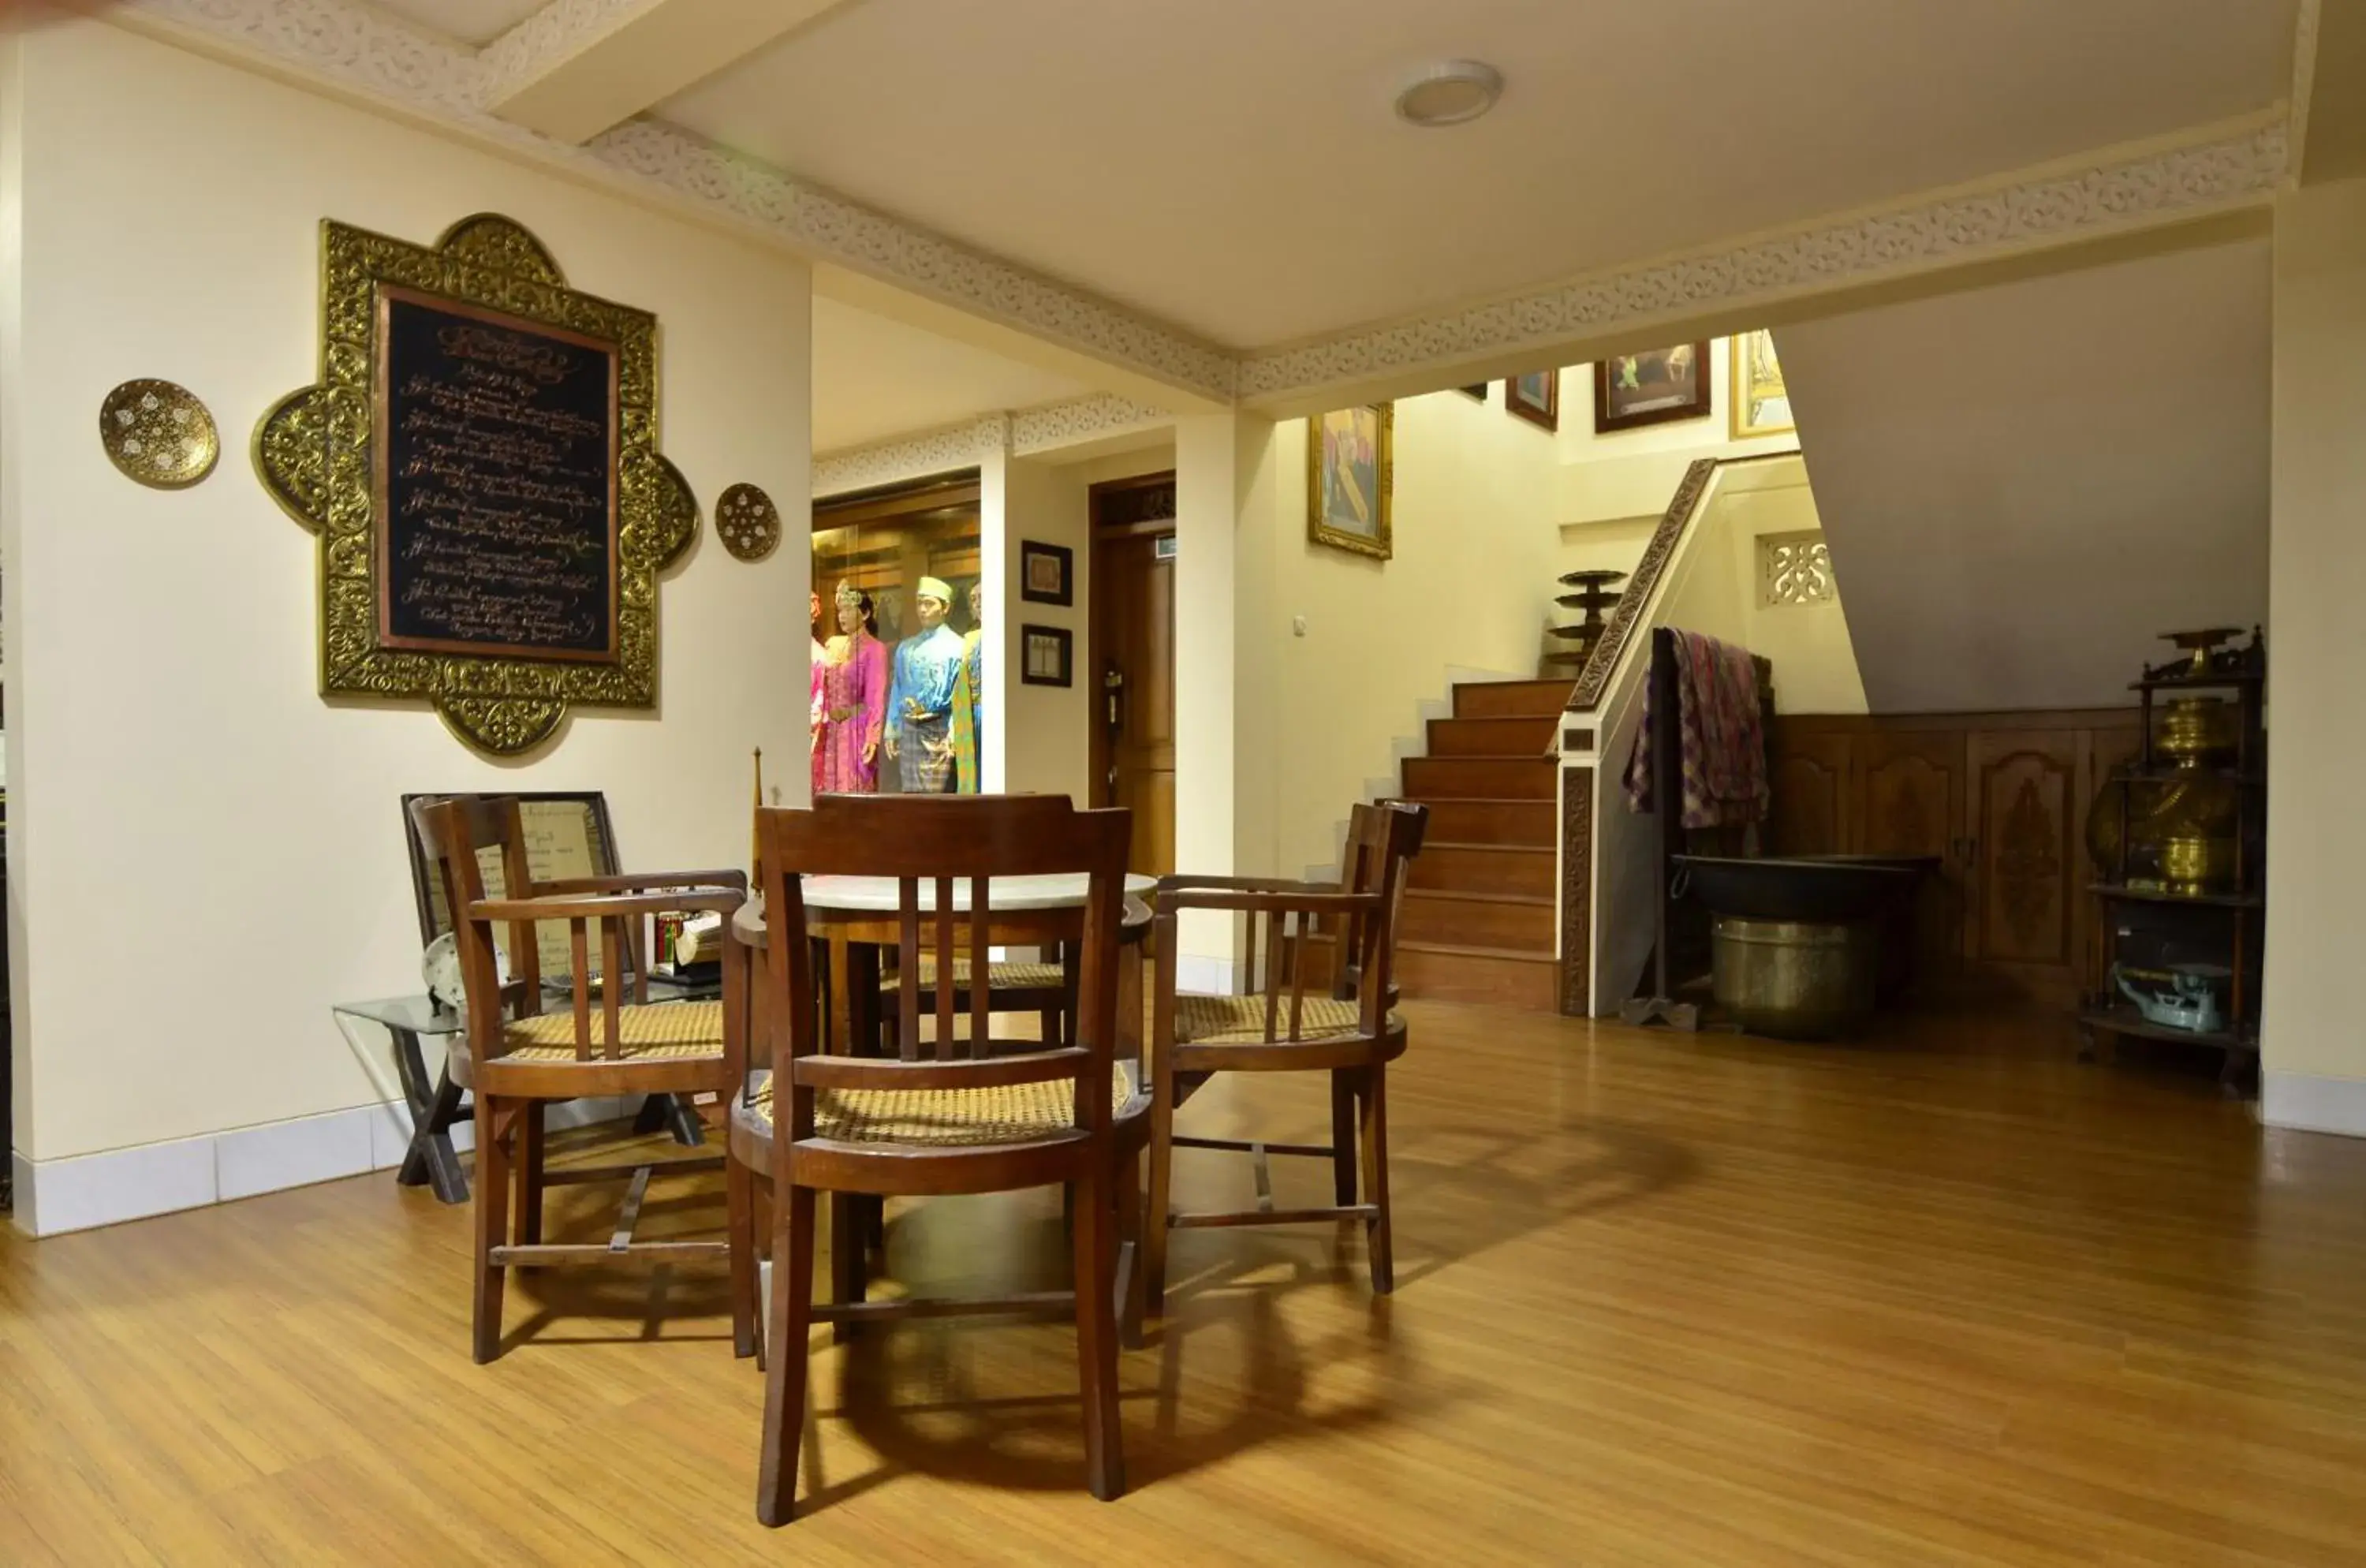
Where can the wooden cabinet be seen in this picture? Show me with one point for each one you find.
(2000, 800)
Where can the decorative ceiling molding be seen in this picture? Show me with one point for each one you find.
(358, 51)
(2080, 203)
(1059, 425)
(962, 445)
(560, 29)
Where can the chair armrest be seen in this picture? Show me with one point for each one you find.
(1243, 885)
(602, 906)
(736, 881)
(1302, 899)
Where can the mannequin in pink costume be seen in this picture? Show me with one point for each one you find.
(816, 710)
(854, 700)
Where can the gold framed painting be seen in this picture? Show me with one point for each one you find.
(1350, 460)
(1761, 405)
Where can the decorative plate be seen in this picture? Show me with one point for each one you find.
(748, 522)
(158, 433)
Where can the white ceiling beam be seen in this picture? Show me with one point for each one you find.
(578, 67)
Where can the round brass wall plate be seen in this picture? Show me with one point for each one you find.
(748, 522)
(158, 433)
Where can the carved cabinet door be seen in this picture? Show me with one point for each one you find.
(1811, 793)
(2028, 859)
(1909, 801)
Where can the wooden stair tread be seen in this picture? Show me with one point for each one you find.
(1456, 949)
(1545, 899)
(1436, 844)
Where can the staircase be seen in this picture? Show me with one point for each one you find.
(1478, 913)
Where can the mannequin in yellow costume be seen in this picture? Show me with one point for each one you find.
(969, 699)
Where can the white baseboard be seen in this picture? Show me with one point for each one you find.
(53, 1197)
(2306, 1104)
(1208, 977)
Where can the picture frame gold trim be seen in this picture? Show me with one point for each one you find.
(1381, 546)
(1737, 391)
(312, 450)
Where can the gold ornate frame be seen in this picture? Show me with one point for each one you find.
(312, 449)
(1382, 545)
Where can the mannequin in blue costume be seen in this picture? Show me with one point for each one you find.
(920, 703)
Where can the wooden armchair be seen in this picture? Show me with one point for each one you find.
(515, 1064)
(952, 1114)
(1350, 1031)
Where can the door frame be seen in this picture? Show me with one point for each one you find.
(1118, 509)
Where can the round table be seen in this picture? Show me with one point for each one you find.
(859, 915)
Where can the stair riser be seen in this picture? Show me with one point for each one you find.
(1512, 699)
(1466, 923)
(1455, 869)
(1479, 778)
(1527, 983)
(1491, 822)
(1489, 737)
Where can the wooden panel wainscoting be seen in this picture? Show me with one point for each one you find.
(1576, 892)
(2000, 798)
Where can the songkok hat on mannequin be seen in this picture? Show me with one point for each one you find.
(934, 588)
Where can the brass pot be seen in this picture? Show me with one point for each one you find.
(1794, 979)
(2192, 863)
(2198, 731)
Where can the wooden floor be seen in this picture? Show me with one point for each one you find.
(1946, 1298)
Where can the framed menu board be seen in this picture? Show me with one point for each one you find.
(495, 444)
(479, 461)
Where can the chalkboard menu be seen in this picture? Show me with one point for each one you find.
(496, 442)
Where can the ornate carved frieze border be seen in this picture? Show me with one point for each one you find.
(557, 30)
(1577, 892)
(1595, 676)
(2124, 193)
(1073, 423)
(962, 445)
(355, 49)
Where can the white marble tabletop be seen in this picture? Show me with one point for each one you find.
(1005, 895)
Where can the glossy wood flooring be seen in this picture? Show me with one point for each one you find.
(1947, 1299)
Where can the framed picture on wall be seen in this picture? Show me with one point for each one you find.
(1477, 390)
(1047, 656)
(1662, 384)
(1761, 406)
(1350, 460)
(1535, 398)
(1047, 573)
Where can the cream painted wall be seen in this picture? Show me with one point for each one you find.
(1630, 474)
(1470, 591)
(1047, 743)
(168, 750)
(1815, 662)
(2313, 1049)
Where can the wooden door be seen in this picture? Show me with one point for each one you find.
(1133, 637)
(2028, 859)
(1809, 812)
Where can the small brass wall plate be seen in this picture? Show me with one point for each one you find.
(748, 522)
(158, 433)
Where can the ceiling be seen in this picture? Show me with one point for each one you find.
(2024, 486)
(1232, 166)
(470, 21)
(873, 378)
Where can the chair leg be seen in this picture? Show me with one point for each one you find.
(1049, 1028)
(1343, 1135)
(849, 1274)
(1097, 1334)
(492, 1226)
(1376, 1179)
(530, 1149)
(739, 1207)
(787, 1319)
(1129, 1238)
(1155, 1207)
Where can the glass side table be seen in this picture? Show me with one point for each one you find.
(431, 1160)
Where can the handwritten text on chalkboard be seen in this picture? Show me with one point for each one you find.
(496, 462)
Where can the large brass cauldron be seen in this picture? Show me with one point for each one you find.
(1794, 979)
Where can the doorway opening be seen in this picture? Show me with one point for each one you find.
(1131, 655)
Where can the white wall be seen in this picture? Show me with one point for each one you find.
(1468, 593)
(1625, 475)
(204, 855)
(2315, 1052)
(1814, 658)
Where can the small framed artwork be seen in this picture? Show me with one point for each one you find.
(1535, 398)
(1047, 573)
(1477, 392)
(1047, 656)
(1761, 406)
(1662, 384)
(1350, 468)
